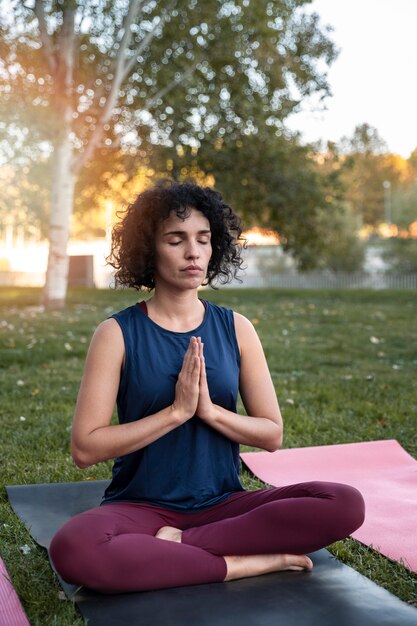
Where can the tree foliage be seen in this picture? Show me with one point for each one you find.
(401, 255)
(377, 186)
(364, 168)
(171, 71)
(92, 75)
(24, 199)
(275, 182)
(404, 204)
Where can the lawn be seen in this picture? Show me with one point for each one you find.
(344, 364)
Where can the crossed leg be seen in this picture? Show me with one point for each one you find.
(131, 547)
(250, 565)
(113, 549)
(272, 529)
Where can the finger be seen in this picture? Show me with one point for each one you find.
(187, 364)
(194, 353)
(191, 346)
(194, 366)
(196, 369)
(203, 374)
(200, 347)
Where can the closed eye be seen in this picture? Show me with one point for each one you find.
(203, 242)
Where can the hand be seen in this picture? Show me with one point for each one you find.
(205, 407)
(187, 387)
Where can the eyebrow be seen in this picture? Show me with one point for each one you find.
(179, 233)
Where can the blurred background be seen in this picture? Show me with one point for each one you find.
(301, 113)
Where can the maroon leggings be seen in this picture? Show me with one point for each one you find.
(113, 548)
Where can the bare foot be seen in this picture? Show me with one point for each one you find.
(169, 533)
(255, 565)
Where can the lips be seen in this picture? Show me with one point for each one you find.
(192, 268)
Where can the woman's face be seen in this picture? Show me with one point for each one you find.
(182, 251)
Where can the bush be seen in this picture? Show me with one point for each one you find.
(401, 255)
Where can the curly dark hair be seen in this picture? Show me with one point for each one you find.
(133, 238)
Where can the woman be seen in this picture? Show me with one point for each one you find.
(175, 512)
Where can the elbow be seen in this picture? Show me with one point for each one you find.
(272, 447)
(276, 435)
(81, 458)
(274, 443)
(81, 462)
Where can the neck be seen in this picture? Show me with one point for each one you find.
(180, 311)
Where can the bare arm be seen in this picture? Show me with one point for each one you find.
(93, 438)
(262, 426)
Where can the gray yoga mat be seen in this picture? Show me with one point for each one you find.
(332, 594)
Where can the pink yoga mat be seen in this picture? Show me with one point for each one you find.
(384, 473)
(11, 612)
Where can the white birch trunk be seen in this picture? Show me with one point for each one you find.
(66, 165)
(63, 173)
(62, 199)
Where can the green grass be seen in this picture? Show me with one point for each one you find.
(344, 364)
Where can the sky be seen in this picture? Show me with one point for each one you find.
(374, 78)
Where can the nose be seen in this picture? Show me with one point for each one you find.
(192, 251)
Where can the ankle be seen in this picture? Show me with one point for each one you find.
(255, 565)
(169, 533)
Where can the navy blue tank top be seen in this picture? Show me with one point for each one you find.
(193, 466)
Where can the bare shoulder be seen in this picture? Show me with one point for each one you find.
(242, 322)
(109, 329)
(245, 331)
(108, 338)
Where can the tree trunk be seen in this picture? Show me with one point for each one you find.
(62, 198)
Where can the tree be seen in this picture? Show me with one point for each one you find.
(401, 255)
(23, 199)
(412, 162)
(342, 249)
(275, 182)
(404, 196)
(404, 204)
(86, 75)
(269, 180)
(365, 166)
(24, 178)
